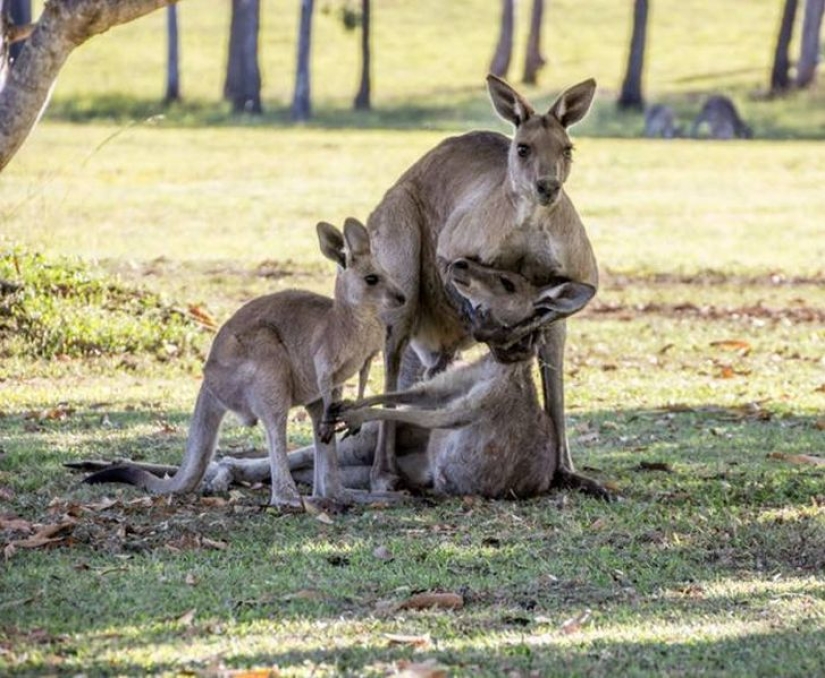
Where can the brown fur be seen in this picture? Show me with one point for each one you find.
(496, 200)
(282, 350)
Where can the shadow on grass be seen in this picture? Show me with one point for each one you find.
(454, 110)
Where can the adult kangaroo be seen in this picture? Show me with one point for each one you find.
(496, 200)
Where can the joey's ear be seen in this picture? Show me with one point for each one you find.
(331, 242)
(560, 301)
(357, 237)
(574, 103)
(508, 103)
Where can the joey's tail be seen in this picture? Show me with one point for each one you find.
(200, 446)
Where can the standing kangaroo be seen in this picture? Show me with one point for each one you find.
(285, 349)
(496, 200)
(491, 436)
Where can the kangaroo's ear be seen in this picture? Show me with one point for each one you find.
(560, 301)
(332, 243)
(574, 103)
(357, 238)
(508, 103)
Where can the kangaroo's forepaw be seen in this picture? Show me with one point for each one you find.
(385, 482)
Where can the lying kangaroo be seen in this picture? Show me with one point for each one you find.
(284, 349)
(722, 119)
(496, 200)
(490, 435)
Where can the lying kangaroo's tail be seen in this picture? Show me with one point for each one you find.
(200, 446)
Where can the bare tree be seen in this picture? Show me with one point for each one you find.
(243, 76)
(534, 60)
(504, 48)
(362, 99)
(809, 48)
(780, 77)
(172, 55)
(631, 94)
(301, 100)
(63, 26)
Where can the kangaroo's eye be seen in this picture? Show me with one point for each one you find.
(568, 153)
(508, 285)
(523, 150)
(371, 279)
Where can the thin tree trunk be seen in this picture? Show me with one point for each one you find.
(63, 26)
(172, 55)
(504, 48)
(534, 60)
(362, 99)
(301, 101)
(780, 77)
(20, 13)
(809, 48)
(243, 76)
(631, 94)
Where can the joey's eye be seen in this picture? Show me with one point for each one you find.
(371, 279)
(507, 284)
(568, 153)
(523, 150)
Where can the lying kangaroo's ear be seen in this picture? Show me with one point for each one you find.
(357, 237)
(560, 301)
(508, 103)
(574, 103)
(332, 243)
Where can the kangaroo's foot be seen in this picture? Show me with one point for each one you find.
(572, 480)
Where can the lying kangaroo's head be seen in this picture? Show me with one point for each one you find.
(508, 310)
(541, 151)
(362, 282)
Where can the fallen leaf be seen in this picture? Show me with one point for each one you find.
(214, 544)
(203, 317)
(797, 458)
(426, 669)
(412, 640)
(732, 345)
(303, 594)
(15, 524)
(213, 501)
(726, 372)
(383, 553)
(187, 618)
(322, 517)
(574, 624)
(191, 580)
(819, 424)
(429, 599)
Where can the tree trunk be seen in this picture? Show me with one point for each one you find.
(780, 78)
(20, 13)
(534, 60)
(504, 49)
(809, 48)
(362, 99)
(243, 76)
(631, 94)
(301, 101)
(63, 25)
(173, 56)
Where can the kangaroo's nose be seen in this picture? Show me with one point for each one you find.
(547, 190)
(401, 299)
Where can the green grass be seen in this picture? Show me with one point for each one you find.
(700, 356)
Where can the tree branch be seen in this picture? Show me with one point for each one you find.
(63, 26)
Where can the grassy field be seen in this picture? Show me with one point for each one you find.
(695, 379)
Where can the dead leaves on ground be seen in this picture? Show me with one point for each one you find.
(107, 523)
